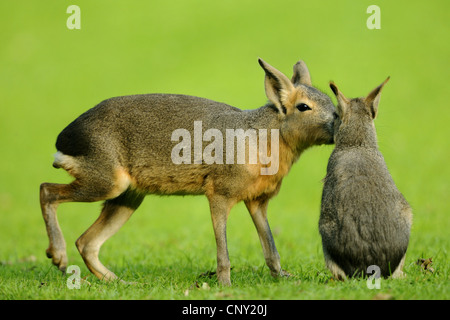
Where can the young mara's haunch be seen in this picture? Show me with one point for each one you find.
(122, 149)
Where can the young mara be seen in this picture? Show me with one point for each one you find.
(364, 221)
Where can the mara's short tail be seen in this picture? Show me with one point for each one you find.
(66, 162)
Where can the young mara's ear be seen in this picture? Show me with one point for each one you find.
(343, 102)
(373, 99)
(301, 74)
(277, 85)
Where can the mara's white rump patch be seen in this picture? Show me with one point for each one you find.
(66, 162)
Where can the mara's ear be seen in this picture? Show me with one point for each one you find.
(343, 102)
(373, 98)
(301, 74)
(277, 85)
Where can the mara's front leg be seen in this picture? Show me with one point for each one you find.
(220, 208)
(258, 212)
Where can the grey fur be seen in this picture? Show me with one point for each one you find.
(120, 151)
(364, 220)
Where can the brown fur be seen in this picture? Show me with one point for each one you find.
(120, 150)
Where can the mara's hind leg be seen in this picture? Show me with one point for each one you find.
(337, 271)
(57, 246)
(90, 185)
(51, 195)
(398, 273)
(113, 216)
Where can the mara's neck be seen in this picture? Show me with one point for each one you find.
(357, 136)
(267, 117)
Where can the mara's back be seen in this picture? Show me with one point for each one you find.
(364, 216)
(140, 121)
(365, 220)
(135, 133)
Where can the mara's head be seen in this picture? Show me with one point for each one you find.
(307, 114)
(355, 122)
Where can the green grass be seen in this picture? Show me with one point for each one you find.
(49, 75)
(168, 253)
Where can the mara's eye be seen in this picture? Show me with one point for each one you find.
(303, 107)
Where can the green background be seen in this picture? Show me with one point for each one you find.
(49, 75)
